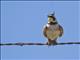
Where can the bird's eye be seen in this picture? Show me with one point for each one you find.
(50, 19)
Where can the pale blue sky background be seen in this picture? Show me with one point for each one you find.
(22, 21)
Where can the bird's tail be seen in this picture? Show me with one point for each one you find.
(52, 42)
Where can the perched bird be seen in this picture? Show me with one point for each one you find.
(52, 30)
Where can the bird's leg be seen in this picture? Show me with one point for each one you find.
(49, 42)
(54, 42)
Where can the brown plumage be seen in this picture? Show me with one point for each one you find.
(52, 30)
(61, 30)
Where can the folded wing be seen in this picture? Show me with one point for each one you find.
(61, 30)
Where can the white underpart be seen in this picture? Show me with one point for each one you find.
(52, 27)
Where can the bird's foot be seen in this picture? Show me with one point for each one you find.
(51, 43)
(54, 44)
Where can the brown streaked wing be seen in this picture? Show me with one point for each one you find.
(44, 31)
(61, 30)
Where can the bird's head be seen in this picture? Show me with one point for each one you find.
(51, 18)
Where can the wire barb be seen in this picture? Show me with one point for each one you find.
(21, 43)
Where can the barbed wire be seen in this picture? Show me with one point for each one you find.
(26, 43)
